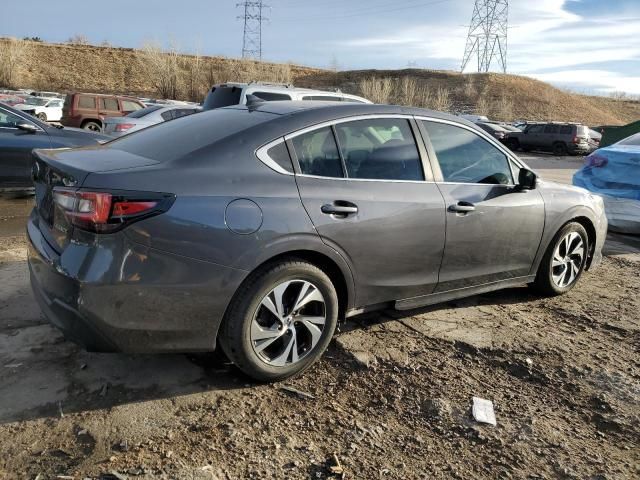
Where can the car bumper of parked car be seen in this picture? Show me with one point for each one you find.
(139, 302)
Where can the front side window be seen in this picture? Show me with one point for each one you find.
(317, 153)
(9, 120)
(535, 129)
(465, 157)
(381, 148)
(129, 106)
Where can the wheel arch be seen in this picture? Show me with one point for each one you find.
(87, 120)
(591, 235)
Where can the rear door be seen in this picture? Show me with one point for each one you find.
(366, 186)
(15, 150)
(493, 228)
(108, 107)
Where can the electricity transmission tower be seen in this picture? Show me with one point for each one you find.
(253, 17)
(487, 37)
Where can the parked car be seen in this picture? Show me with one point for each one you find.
(88, 110)
(19, 134)
(498, 132)
(475, 118)
(614, 173)
(152, 115)
(255, 228)
(227, 94)
(507, 126)
(594, 139)
(559, 138)
(46, 109)
(10, 99)
(49, 95)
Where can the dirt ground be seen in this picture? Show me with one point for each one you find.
(391, 397)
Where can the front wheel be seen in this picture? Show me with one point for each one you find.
(42, 116)
(280, 321)
(92, 126)
(564, 261)
(513, 144)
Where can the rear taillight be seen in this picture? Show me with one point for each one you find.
(595, 161)
(123, 127)
(105, 212)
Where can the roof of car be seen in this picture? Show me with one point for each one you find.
(328, 110)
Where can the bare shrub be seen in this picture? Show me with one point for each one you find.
(504, 109)
(162, 67)
(469, 87)
(194, 78)
(425, 98)
(482, 106)
(12, 55)
(281, 73)
(442, 100)
(78, 39)
(378, 90)
(409, 92)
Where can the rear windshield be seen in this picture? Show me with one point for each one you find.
(222, 97)
(632, 140)
(144, 111)
(172, 140)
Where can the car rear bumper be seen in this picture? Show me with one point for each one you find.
(116, 296)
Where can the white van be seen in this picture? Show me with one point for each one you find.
(226, 94)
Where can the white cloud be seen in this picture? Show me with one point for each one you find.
(543, 37)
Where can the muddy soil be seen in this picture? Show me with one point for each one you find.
(391, 398)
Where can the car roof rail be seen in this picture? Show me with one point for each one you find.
(271, 84)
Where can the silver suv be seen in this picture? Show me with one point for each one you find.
(227, 94)
(559, 138)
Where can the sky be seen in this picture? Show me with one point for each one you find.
(588, 46)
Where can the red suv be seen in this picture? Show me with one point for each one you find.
(88, 110)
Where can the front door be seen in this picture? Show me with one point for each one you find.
(363, 185)
(493, 228)
(15, 150)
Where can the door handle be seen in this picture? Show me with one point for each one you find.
(462, 207)
(339, 208)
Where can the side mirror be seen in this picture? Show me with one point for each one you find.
(527, 179)
(27, 127)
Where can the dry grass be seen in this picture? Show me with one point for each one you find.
(378, 90)
(12, 55)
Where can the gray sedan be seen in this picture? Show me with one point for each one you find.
(151, 115)
(257, 227)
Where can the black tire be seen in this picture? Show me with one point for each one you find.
(42, 116)
(526, 149)
(559, 149)
(513, 144)
(92, 126)
(544, 282)
(234, 336)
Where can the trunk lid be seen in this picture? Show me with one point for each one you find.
(68, 168)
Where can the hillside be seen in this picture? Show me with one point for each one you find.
(64, 67)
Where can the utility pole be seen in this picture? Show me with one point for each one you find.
(487, 37)
(253, 17)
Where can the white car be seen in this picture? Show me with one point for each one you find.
(46, 109)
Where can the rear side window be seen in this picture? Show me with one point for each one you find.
(222, 97)
(317, 153)
(382, 149)
(183, 112)
(552, 129)
(271, 96)
(173, 140)
(465, 157)
(279, 154)
(87, 102)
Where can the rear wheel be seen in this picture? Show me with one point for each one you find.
(564, 261)
(280, 321)
(93, 126)
(42, 116)
(559, 149)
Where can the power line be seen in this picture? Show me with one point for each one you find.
(253, 17)
(487, 37)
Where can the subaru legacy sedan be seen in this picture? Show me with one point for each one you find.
(257, 227)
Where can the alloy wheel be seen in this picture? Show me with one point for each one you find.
(288, 323)
(567, 261)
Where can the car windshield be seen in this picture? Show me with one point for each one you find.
(144, 111)
(38, 102)
(632, 140)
